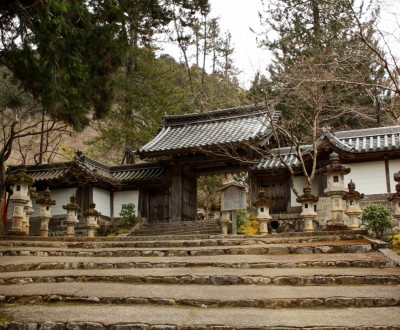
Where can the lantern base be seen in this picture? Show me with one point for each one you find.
(16, 232)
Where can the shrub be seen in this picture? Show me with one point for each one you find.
(377, 218)
(128, 215)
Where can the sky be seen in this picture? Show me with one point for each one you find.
(238, 17)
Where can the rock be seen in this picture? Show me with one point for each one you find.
(162, 301)
(301, 249)
(339, 302)
(19, 326)
(307, 303)
(289, 280)
(278, 250)
(199, 302)
(134, 326)
(137, 301)
(324, 249)
(52, 326)
(224, 280)
(85, 326)
(255, 280)
(163, 327)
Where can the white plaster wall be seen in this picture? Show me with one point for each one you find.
(61, 196)
(370, 178)
(299, 182)
(102, 200)
(125, 197)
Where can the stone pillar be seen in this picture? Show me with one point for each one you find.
(353, 210)
(45, 203)
(308, 213)
(225, 222)
(92, 215)
(29, 209)
(263, 204)
(72, 216)
(395, 199)
(21, 183)
(335, 173)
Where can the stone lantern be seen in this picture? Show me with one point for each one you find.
(72, 215)
(29, 209)
(20, 183)
(335, 173)
(92, 216)
(45, 203)
(353, 210)
(308, 214)
(263, 204)
(225, 222)
(395, 199)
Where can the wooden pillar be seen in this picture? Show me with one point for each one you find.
(175, 195)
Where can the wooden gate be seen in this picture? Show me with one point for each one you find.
(158, 205)
(278, 190)
(189, 196)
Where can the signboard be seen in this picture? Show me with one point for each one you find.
(233, 198)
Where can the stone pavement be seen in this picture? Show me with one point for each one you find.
(338, 280)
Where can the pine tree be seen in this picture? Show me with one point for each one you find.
(320, 66)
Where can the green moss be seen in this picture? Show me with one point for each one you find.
(4, 317)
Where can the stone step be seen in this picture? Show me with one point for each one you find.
(356, 246)
(181, 243)
(181, 228)
(123, 238)
(212, 275)
(339, 260)
(117, 317)
(303, 281)
(203, 295)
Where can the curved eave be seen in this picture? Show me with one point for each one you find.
(205, 148)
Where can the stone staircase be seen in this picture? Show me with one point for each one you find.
(205, 227)
(335, 280)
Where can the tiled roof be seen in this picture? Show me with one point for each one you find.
(273, 162)
(203, 130)
(48, 171)
(115, 175)
(139, 173)
(369, 140)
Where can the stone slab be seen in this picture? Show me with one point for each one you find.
(118, 290)
(185, 316)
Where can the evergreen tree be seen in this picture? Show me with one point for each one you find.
(320, 68)
(65, 53)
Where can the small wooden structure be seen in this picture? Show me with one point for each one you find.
(233, 198)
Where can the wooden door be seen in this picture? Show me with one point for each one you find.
(158, 205)
(278, 190)
(189, 196)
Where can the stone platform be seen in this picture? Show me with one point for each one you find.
(336, 280)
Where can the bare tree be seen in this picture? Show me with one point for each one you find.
(21, 125)
(385, 58)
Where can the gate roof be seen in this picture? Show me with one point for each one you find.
(201, 131)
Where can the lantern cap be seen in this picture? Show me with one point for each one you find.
(92, 210)
(307, 196)
(352, 194)
(263, 199)
(335, 165)
(72, 205)
(46, 198)
(19, 176)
